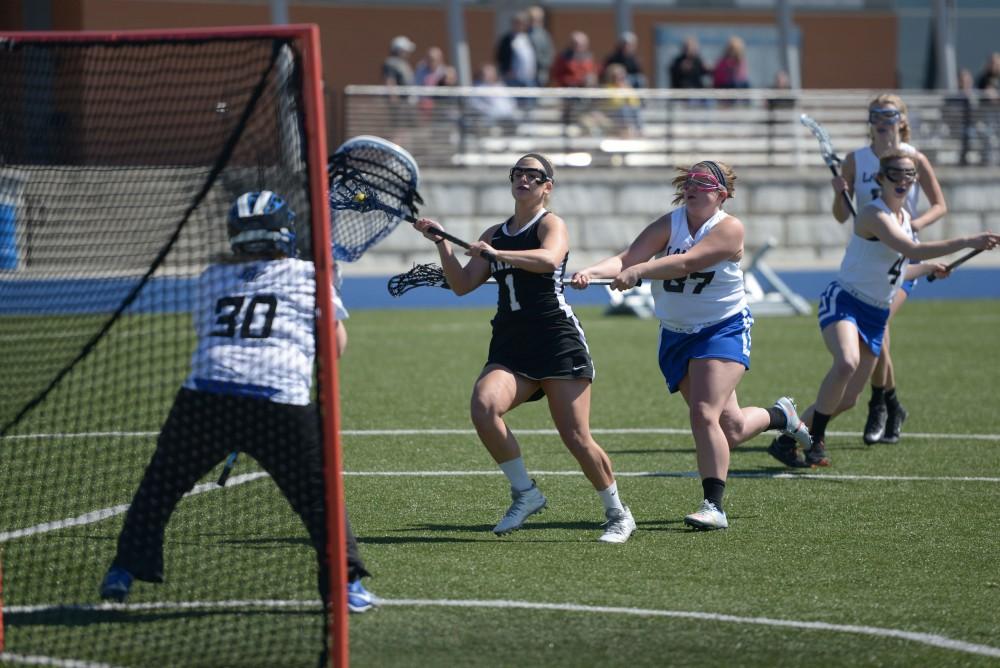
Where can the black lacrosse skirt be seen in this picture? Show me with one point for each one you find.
(541, 348)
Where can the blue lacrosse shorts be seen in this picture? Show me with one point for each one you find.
(727, 340)
(837, 304)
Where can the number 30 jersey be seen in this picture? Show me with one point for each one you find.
(255, 323)
(701, 298)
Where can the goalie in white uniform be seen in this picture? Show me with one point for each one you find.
(692, 255)
(248, 390)
(854, 310)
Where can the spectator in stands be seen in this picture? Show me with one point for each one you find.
(854, 310)
(623, 107)
(731, 71)
(989, 77)
(490, 106)
(959, 108)
(688, 69)
(574, 67)
(248, 390)
(538, 347)
(625, 55)
(396, 69)
(691, 257)
(430, 71)
(516, 54)
(541, 39)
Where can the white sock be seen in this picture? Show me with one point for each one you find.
(517, 474)
(610, 499)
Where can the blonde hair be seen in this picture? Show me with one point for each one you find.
(896, 101)
(707, 165)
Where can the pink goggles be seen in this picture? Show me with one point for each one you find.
(704, 182)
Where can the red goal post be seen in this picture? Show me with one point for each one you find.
(315, 149)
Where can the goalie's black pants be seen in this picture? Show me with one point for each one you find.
(200, 431)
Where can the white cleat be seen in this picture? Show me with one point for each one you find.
(795, 428)
(707, 517)
(619, 526)
(524, 505)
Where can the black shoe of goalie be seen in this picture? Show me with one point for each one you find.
(875, 424)
(894, 425)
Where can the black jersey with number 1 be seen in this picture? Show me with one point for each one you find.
(525, 294)
(535, 332)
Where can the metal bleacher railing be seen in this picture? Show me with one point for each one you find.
(480, 126)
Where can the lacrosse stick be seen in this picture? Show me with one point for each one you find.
(373, 187)
(962, 260)
(432, 276)
(829, 155)
(227, 468)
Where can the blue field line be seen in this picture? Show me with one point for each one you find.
(174, 295)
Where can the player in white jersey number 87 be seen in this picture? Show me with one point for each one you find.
(693, 256)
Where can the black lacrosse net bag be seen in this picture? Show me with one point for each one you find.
(119, 162)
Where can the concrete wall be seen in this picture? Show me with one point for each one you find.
(605, 209)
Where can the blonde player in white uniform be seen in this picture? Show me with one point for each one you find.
(248, 390)
(855, 307)
(890, 130)
(692, 255)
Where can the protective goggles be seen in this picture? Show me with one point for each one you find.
(890, 116)
(535, 175)
(704, 182)
(900, 174)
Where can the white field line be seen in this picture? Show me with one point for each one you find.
(950, 436)
(9, 658)
(929, 639)
(105, 513)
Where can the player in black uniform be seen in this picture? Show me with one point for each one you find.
(538, 347)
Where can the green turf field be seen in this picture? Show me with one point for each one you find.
(888, 558)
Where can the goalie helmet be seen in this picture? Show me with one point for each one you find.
(261, 222)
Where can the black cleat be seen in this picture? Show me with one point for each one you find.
(787, 454)
(816, 455)
(875, 424)
(894, 424)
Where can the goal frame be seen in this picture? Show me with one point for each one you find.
(308, 36)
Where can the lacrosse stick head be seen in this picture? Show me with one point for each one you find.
(421, 275)
(373, 187)
(823, 137)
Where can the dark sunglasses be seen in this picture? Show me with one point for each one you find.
(891, 116)
(536, 175)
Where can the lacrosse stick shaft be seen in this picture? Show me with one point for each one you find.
(847, 198)
(227, 468)
(962, 260)
(489, 257)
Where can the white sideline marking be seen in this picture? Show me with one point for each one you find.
(471, 432)
(105, 513)
(931, 639)
(34, 660)
(686, 474)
